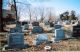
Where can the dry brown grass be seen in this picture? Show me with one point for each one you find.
(67, 45)
(64, 45)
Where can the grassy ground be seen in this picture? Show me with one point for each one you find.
(64, 45)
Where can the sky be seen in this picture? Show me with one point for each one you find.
(59, 6)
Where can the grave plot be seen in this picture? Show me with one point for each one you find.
(16, 39)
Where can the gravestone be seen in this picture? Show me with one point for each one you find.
(26, 27)
(37, 29)
(76, 31)
(46, 23)
(59, 34)
(18, 28)
(57, 26)
(16, 38)
(51, 24)
(41, 38)
(35, 23)
(23, 23)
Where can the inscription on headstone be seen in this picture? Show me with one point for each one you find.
(16, 39)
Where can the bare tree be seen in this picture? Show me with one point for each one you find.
(50, 15)
(41, 12)
(36, 13)
(30, 13)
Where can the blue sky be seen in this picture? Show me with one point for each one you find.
(59, 6)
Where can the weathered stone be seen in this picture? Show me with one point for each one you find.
(59, 34)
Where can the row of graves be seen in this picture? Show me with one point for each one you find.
(16, 35)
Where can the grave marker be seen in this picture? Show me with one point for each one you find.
(35, 23)
(57, 26)
(59, 34)
(37, 29)
(16, 38)
(41, 38)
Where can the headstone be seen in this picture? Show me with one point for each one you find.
(76, 31)
(23, 23)
(17, 29)
(16, 38)
(51, 24)
(57, 26)
(35, 23)
(46, 23)
(59, 34)
(41, 38)
(26, 27)
(37, 29)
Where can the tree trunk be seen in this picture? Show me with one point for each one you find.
(1, 18)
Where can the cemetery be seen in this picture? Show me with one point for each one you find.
(39, 39)
(38, 29)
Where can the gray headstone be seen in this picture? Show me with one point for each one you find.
(57, 26)
(26, 27)
(37, 29)
(59, 34)
(41, 38)
(16, 37)
(16, 29)
(16, 40)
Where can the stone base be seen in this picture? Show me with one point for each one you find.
(18, 47)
